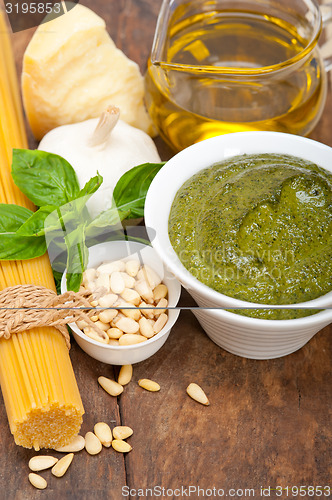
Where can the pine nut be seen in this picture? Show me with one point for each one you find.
(41, 462)
(129, 281)
(89, 332)
(132, 267)
(103, 281)
(114, 333)
(92, 444)
(148, 313)
(121, 446)
(103, 326)
(116, 319)
(111, 267)
(145, 291)
(61, 467)
(127, 325)
(117, 283)
(77, 444)
(149, 385)
(108, 300)
(152, 277)
(131, 339)
(89, 275)
(131, 296)
(81, 324)
(161, 303)
(110, 386)
(108, 315)
(122, 432)
(125, 374)
(160, 292)
(91, 286)
(37, 481)
(113, 342)
(103, 433)
(131, 313)
(145, 328)
(160, 323)
(197, 393)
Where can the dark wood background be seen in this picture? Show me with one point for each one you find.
(269, 422)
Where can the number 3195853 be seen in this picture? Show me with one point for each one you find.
(32, 8)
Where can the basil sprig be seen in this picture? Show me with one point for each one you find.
(62, 221)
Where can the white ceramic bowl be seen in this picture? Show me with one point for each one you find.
(128, 355)
(245, 336)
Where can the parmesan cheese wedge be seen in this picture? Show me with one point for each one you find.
(72, 71)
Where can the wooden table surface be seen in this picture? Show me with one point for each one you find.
(269, 422)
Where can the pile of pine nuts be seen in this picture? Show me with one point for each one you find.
(134, 301)
(102, 434)
(93, 442)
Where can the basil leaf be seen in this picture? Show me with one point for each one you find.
(130, 190)
(45, 178)
(91, 186)
(12, 217)
(18, 247)
(77, 257)
(35, 225)
(109, 217)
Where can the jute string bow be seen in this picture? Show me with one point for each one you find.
(23, 307)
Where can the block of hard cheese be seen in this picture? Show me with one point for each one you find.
(72, 71)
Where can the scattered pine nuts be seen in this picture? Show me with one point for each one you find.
(197, 393)
(125, 374)
(77, 444)
(41, 462)
(149, 385)
(62, 465)
(92, 444)
(103, 433)
(110, 386)
(121, 446)
(37, 481)
(121, 432)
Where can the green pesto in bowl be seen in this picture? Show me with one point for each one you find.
(258, 228)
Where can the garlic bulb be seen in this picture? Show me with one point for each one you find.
(108, 145)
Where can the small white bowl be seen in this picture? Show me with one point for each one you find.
(128, 355)
(245, 336)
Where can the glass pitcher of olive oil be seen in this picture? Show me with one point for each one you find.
(220, 66)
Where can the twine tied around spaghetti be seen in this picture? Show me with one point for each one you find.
(23, 307)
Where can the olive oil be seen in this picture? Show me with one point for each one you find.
(230, 71)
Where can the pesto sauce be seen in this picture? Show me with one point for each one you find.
(258, 228)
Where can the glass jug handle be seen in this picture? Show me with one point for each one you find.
(326, 48)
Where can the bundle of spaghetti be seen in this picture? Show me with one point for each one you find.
(38, 384)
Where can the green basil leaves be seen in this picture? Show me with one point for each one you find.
(62, 223)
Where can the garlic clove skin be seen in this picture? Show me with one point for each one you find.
(125, 148)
